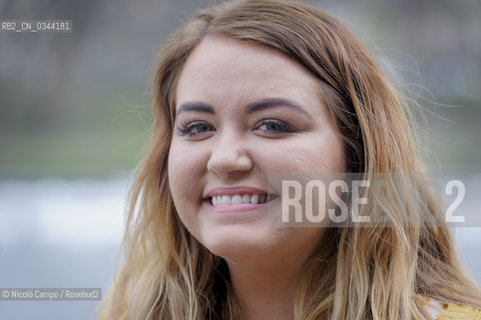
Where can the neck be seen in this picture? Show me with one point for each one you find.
(266, 291)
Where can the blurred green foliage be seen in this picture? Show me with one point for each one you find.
(98, 136)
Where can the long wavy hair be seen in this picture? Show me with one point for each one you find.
(385, 271)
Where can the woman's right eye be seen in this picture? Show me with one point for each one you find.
(195, 129)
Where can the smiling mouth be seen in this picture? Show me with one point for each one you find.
(241, 199)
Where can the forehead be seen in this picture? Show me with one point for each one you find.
(222, 68)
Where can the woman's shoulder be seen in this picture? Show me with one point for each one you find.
(455, 311)
(451, 311)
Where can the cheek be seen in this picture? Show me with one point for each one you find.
(310, 153)
(184, 166)
(330, 155)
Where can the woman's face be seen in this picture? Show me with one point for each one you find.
(244, 111)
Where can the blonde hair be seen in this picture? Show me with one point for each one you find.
(385, 271)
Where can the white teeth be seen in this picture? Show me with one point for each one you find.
(226, 200)
(238, 199)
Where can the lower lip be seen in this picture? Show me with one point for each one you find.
(234, 208)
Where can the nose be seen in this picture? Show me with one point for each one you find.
(229, 157)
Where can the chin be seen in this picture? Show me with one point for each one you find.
(235, 245)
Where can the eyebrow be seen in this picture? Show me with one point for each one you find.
(275, 102)
(195, 106)
(256, 106)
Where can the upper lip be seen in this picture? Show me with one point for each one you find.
(230, 191)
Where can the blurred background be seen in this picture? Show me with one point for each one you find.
(75, 115)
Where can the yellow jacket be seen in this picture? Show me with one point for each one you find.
(460, 313)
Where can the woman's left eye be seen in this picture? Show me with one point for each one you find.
(275, 126)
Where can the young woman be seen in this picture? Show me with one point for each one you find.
(250, 88)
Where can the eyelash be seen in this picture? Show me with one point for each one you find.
(277, 127)
(187, 129)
